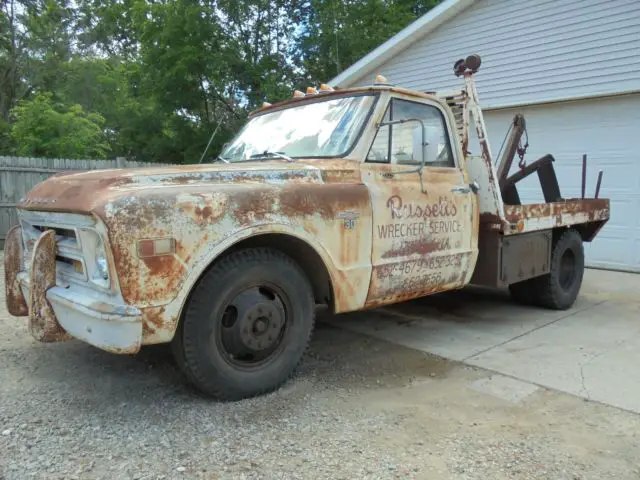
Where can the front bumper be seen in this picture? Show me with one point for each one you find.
(58, 313)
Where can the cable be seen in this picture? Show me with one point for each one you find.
(503, 142)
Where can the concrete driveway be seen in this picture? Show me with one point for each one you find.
(592, 350)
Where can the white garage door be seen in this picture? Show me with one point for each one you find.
(608, 131)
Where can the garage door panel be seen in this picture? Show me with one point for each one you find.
(620, 178)
(612, 251)
(623, 215)
(606, 130)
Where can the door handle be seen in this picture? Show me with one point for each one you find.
(461, 189)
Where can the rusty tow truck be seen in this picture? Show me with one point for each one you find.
(351, 198)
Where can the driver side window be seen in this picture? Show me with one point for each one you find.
(401, 143)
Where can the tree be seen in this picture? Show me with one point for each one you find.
(41, 130)
(152, 79)
(338, 33)
(10, 57)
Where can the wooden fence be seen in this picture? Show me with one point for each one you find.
(19, 174)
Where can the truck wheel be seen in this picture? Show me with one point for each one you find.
(559, 288)
(246, 326)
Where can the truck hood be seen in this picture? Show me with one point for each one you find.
(88, 191)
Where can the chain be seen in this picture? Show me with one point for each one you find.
(521, 150)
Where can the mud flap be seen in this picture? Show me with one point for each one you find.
(42, 320)
(16, 303)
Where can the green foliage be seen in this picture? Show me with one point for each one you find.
(39, 130)
(5, 139)
(340, 32)
(151, 80)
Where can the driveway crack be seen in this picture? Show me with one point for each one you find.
(532, 330)
(616, 345)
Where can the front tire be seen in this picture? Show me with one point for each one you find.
(247, 325)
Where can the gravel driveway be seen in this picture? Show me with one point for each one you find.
(359, 408)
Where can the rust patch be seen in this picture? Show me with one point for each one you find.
(390, 296)
(324, 200)
(254, 205)
(16, 303)
(153, 320)
(43, 324)
(183, 253)
(339, 171)
(162, 266)
(343, 289)
(157, 324)
(340, 176)
(304, 201)
(155, 317)
(71, 192)
(183, 179)
(592, 208)
(203, 208)
(420, 247)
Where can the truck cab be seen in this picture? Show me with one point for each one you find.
(351, 198)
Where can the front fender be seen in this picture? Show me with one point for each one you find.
(162, 321)
(334, 220)
(208, 256)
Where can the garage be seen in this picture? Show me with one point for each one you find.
(604, 129)
(571, 68)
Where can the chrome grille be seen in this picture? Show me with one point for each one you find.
(71, 263)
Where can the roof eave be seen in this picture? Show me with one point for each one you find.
(416, 30)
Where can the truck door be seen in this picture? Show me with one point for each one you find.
(423, 235)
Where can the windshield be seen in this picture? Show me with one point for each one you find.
(327, 128)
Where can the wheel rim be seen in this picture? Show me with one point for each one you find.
(567, 269)
(253, 326)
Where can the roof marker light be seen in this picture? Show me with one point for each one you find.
(325, 88)
(311, 91)
(381, 80)
(297, 93)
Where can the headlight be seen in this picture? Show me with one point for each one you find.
(102, 267)
(95, 257)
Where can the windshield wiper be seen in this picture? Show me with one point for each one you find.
(220, 158)
(267, 153)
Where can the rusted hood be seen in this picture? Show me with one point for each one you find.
(89, 191)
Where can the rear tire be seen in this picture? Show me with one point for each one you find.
(558, 289)
(247, 325)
